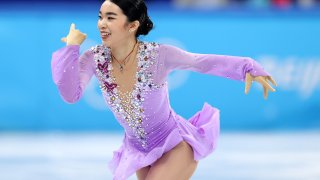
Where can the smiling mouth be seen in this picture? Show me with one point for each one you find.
(105, 35)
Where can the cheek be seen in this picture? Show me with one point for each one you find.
(99, 23)
(116, 29)
(124, 30)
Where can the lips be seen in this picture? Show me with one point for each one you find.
(105, 35)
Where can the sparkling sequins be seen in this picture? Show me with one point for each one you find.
(128, 105)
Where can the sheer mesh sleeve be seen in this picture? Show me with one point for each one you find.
(232, 67)
(72, 72)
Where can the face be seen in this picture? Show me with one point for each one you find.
(113, 25)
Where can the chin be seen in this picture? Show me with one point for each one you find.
(106, 44)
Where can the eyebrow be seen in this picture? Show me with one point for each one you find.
(109, 13)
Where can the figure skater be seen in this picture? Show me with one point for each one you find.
(158, 144)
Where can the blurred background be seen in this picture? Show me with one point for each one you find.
(42, 137)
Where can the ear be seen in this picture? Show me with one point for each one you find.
(133, 26)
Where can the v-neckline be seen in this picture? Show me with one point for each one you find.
(122, 95)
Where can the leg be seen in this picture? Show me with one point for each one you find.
(177, 164)
(189, 172)
(142, 173)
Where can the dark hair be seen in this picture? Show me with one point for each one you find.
(136, 10)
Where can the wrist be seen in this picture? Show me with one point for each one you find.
(73, 43)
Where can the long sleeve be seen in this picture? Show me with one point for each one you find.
(232, 67)
(72, 72)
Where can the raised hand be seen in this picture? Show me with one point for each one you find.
(75, 37)
(263, 80)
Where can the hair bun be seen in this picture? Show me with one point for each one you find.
(145, 27)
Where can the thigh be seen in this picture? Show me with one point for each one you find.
(142, 173)
(176, 164)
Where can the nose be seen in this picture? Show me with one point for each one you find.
(102, 24)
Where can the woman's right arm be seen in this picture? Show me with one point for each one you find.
(72, 72)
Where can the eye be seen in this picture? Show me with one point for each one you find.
(110, 18)
(99, 17)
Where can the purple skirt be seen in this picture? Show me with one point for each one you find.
(200, 132)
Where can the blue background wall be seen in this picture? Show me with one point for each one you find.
(286, 43)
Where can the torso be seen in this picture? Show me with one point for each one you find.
(138, 101)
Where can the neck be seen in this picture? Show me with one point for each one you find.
(121, 51)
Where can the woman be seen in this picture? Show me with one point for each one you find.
(158, 143)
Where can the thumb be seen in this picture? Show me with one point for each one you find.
(72, 26)
(64, 39)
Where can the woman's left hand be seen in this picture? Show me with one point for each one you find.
(263, 80)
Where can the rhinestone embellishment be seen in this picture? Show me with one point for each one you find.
(128, 106)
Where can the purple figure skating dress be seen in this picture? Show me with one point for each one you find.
(151, 125)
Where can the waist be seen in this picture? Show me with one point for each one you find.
(155, 133)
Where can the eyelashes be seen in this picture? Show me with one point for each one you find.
(109, 18)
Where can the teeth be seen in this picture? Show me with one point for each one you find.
(106, 34)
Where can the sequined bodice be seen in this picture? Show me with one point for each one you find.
(131, 109)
